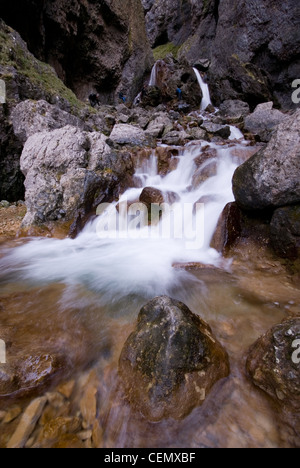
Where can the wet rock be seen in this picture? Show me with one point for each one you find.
(68, 441)
(69, 172)
(263, 121)
(30, 117)
(58, 427)
(151, 196)
(27, 423)
(171, 361)
(285, 232)
(38, 370)
(12, 414)
(88, 407)
(270, 178)
(218, 130)
(273, 364)
(229, 229)
(129, 135)
(67, 389)
(167, 159)
(234, 110)
(97, 435)
(204, 172)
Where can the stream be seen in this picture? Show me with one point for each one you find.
(81, 297)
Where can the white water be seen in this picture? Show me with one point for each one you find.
(153, 77)
(206, 100)
(141, 263)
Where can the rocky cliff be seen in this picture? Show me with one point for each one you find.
(93, 45)
(253, 45)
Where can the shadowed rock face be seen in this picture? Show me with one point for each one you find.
(171, 361)
(270, 179)
(92, 45)
(273, 364)
(253, 45)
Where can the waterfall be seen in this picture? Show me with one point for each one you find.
(152, 81)
(206, 101)
(154, 73)
(125, 259)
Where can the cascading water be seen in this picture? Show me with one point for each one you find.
(137, 261)
(206, 100)
(152, 81)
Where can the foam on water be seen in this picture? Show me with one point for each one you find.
(141, 261)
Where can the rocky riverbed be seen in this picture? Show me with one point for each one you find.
(131, 340)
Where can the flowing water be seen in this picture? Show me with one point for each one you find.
(143, 257)
(206, 100)
(82, 296)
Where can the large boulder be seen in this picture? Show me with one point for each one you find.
(68, 170)
(270, 179)
(234, 110)
(171, 361)
(285, 232)
(263, 121)
(30, 117)
(273, 364)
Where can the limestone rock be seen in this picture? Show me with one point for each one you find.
(263, 121)
(30, 117)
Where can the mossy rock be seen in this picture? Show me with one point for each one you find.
(27, 76)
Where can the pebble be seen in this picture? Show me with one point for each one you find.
(27, 423)
(88, 407)
(97, 435)
(12, 414)
(67, 389)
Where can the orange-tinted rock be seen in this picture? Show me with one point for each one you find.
(228, 230)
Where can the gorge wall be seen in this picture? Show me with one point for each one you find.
(93, 45)
(253, 45)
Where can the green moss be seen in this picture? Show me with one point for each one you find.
(13, 53)
(162, 51)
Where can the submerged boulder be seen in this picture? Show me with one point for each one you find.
(270, 179)
(171, 361)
